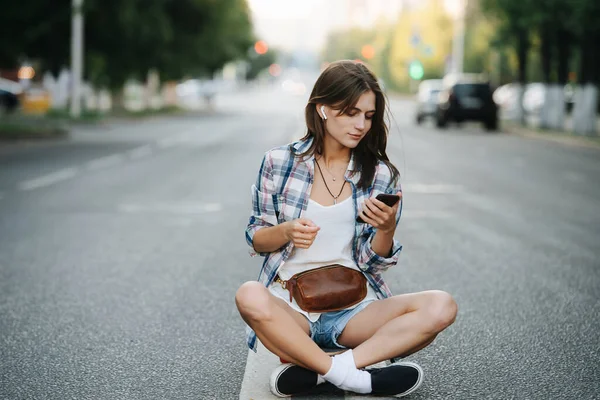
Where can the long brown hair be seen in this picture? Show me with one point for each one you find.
(340, 86)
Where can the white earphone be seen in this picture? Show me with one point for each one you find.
(323, 112)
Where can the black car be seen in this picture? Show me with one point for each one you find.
(8, 101)
(466, 99)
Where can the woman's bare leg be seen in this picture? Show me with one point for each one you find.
(398, 326)
(282, 330)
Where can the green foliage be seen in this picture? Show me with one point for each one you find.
(126, 38)
(552, 29)
(258, 63)
(37, 29)
(347, 44)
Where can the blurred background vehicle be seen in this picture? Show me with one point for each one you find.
(9, 95)
(427, 99)
(36, 100)
(8, 101)
(466, 97)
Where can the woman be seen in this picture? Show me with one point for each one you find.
(306, 202)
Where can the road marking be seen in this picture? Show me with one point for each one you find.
(259, 366)
(171, 208)
(105, 162)
(432, 188)
(50, 179)
(140, 152)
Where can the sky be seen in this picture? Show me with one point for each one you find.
(304, 24)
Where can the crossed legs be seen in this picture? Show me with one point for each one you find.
(393, 327)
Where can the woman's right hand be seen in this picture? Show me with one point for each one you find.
(302, 232)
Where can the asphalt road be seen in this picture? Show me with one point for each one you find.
(121, 250)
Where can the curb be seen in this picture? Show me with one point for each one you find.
(550, 136)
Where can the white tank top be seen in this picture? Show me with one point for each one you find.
(332, 245)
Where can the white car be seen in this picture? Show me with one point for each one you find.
(427, 98)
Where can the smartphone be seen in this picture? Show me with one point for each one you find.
(389, 200)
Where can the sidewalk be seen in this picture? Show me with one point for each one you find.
(565, 138)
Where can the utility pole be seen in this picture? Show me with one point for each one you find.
(458, 11)
(76, 57)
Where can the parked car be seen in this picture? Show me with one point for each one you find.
(9, 95)
(427, 97)
(466, 97)
(8, 101)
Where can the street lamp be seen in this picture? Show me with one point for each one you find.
(76, 57)
(456, 9)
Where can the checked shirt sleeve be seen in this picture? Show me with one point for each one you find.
(263, 197)
(369, 261)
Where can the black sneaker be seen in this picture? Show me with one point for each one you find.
(290, 379)
(396, 380)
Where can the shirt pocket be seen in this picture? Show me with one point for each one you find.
(286, 208)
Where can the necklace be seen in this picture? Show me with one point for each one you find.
(327, 187)
(329, 171)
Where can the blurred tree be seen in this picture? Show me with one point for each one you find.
(347, 44)
(259, 62)
(36, 31)
(178, 38)
(514, 19)
(126, 38)
(206, 35)
(382, 44)
(422, 33)
(586, 28)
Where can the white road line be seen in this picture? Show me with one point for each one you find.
(140, 152)
(50, 179)
(105, 162)
(258, 371)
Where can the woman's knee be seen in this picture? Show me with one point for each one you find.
(252, 301)
(441, 310)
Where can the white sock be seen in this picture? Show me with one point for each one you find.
(346, 376)
(337, 372)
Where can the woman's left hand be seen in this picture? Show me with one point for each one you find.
(379, 214)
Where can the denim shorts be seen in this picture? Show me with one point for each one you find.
(326, 330)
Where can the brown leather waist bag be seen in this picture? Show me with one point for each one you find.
(325, 289)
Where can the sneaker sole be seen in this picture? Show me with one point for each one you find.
(274, 376)
(419, 381)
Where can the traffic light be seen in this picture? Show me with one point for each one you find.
(415, 70)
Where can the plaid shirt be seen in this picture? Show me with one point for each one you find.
(281, 194)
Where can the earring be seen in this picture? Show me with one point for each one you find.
(323, 112)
